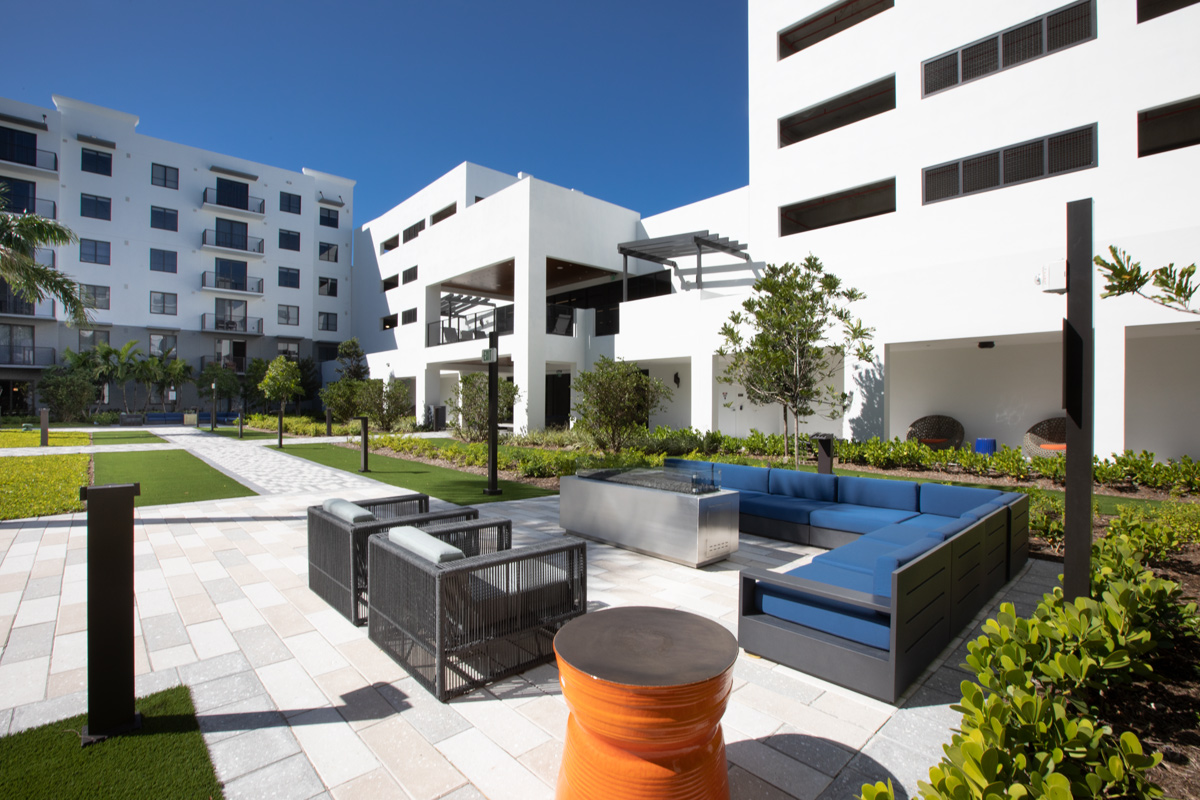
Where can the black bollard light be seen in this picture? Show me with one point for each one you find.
(328, 422)
(363, 422)
(44, 416)
(492, 358)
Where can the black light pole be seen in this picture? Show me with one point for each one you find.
(493, 410)
(363, 423)
(328, 422)
(1079, 391)
(241, 418)
(212, 421)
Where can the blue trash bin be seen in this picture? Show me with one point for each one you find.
(985, 446)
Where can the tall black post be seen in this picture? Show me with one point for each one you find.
(1079, 383)
(280, 424)
(493, 411)
(328, 422)
(44, 418)
(110, 610)
(363, 423)
(212, 420)
(241, 419)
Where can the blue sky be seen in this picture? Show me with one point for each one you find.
(639, 103)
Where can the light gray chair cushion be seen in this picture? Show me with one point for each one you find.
(420, 543)
(344, 509)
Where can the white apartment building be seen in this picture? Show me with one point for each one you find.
(925, 153)
(213, 257)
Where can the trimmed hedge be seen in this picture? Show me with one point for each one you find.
(35, 486)
(299, 426)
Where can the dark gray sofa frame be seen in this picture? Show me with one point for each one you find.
(337, 550)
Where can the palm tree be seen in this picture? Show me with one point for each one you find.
(149, 372)
(20, 237)
(177, 373)
(88, 362)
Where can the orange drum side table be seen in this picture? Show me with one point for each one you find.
(646, 688)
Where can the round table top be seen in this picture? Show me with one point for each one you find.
(646, 646)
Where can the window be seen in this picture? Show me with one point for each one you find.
(233, 194)
(95, 207)
(388, 322)
(408, 317)
(289, 350)
(446, 213)
(166, 219)
(164, 260)
(164, 176)
(327, 252)
(1169, 127)
(325, 351)
(409, 275)
(1149, 9)
(163, 343)
(94, 296)
(22, 195)
(391, 283)
(329, 217)
(289, 240)
(163, 303)
(390, 244)
(1067, 26)
(289, 202)
(289, 278)
(88, 339)
(19, 147)
(827, 22)
(233, 234)
(866, 101)
(94, 252)
(326, 321)
(230, 274)
(835, 209)
(413, 231)
(289, 315)
(96, 161)
(1041, 158)
(327, 287)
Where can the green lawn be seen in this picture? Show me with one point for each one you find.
(34, 439)
(165, 758)
(451, 485)
(37, 486)
(168, 476)
(126, 437)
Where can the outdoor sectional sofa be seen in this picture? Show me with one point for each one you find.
(908, 566)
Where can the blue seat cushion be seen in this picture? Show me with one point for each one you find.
(952, 501)
(979, 512)
(790, 483)
(900, 534)
(855, 518)
(839, 619)
(785, 509)
(928, 521)
(740, 477)
(887, 563)
(859, 555)
(878, 493)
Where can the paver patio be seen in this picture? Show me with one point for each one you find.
(297, 703)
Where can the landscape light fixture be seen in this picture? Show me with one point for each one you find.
(676, 380)
(986, 345)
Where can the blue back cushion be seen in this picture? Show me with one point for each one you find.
(953, 501)
(742, 478)
(791, 483)
(887, 563)
(900, 495)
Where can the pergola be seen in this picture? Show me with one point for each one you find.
(665, 248)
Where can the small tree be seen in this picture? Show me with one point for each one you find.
(228, 385)
(615, 402)
(384, 403)
(119, 366)
(1123, 275)
(793, 321)
(353, 361)
(468, 405)
(176, 374)
(342, 398)
(282, 382)
(252, 396)
(310, 379)
(67, 392)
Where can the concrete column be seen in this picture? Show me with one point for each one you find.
(704, 412)
(427, 391)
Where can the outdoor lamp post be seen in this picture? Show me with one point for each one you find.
(212, 418)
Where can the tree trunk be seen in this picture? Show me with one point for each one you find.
(785, 433)
(796, 446)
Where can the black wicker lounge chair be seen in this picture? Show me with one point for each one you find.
(937, 431)
(1046, 439)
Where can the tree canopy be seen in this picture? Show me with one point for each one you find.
(1174, 288)
(468, 405)
(353, 361)
(282, 381)
(614, 402)
(21, 235)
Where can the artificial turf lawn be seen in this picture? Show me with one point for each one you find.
(34, 439)
(231, 433)
(167, 476)
(126, 437)
(36, 486)
(165, 758)
(461, 488)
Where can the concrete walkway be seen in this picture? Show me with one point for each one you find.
(297, 703)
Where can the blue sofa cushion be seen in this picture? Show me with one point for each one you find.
(887, 563)
(878, 493)
(859, 555)
(979, 512)
(929, 521)
(790, 483)
(951, 528)
(839, 619)
(900, 533)
(952, 501)
(856, 519)
(742, 478)
(785, 509)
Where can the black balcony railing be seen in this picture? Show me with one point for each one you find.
(235, 363)
(234, 241)
(29, 156)
(211, 280)
(18, 355)
(461, 328)
(32, 205)
(214, 322)
(560, 320)
(255, 205)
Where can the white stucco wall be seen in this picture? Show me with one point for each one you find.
(1162, 400)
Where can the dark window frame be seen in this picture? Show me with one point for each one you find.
(1152, 139)
(285, 314)
(412, 231)
(409, 275)
(164, 176)
(289, 271)
(389, 283)
(323, 251)
(94, 246)
(97, 162)
(444, 214)
(389, 322)
(814, 121)
(835, 197)
(327, 287)
(160, 350)
(289, 203)
(286, 238)
(161, 257)
(326, 215)
(89, 296)
(169, 217)
(173, 305)
(101, 207)
(408, 316)
(1153, 9)
(326, 321)
(822, 27)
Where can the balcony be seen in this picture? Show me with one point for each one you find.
(235, 363)
(29, 160)
(17, 355)
(223, 283)
(47, 209)
(12, 304)
(462, 328)
(245, 206)
(231, 242)
(248, 325)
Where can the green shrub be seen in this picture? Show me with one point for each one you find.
(34, 486)
(300, 426)
(105, 418)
